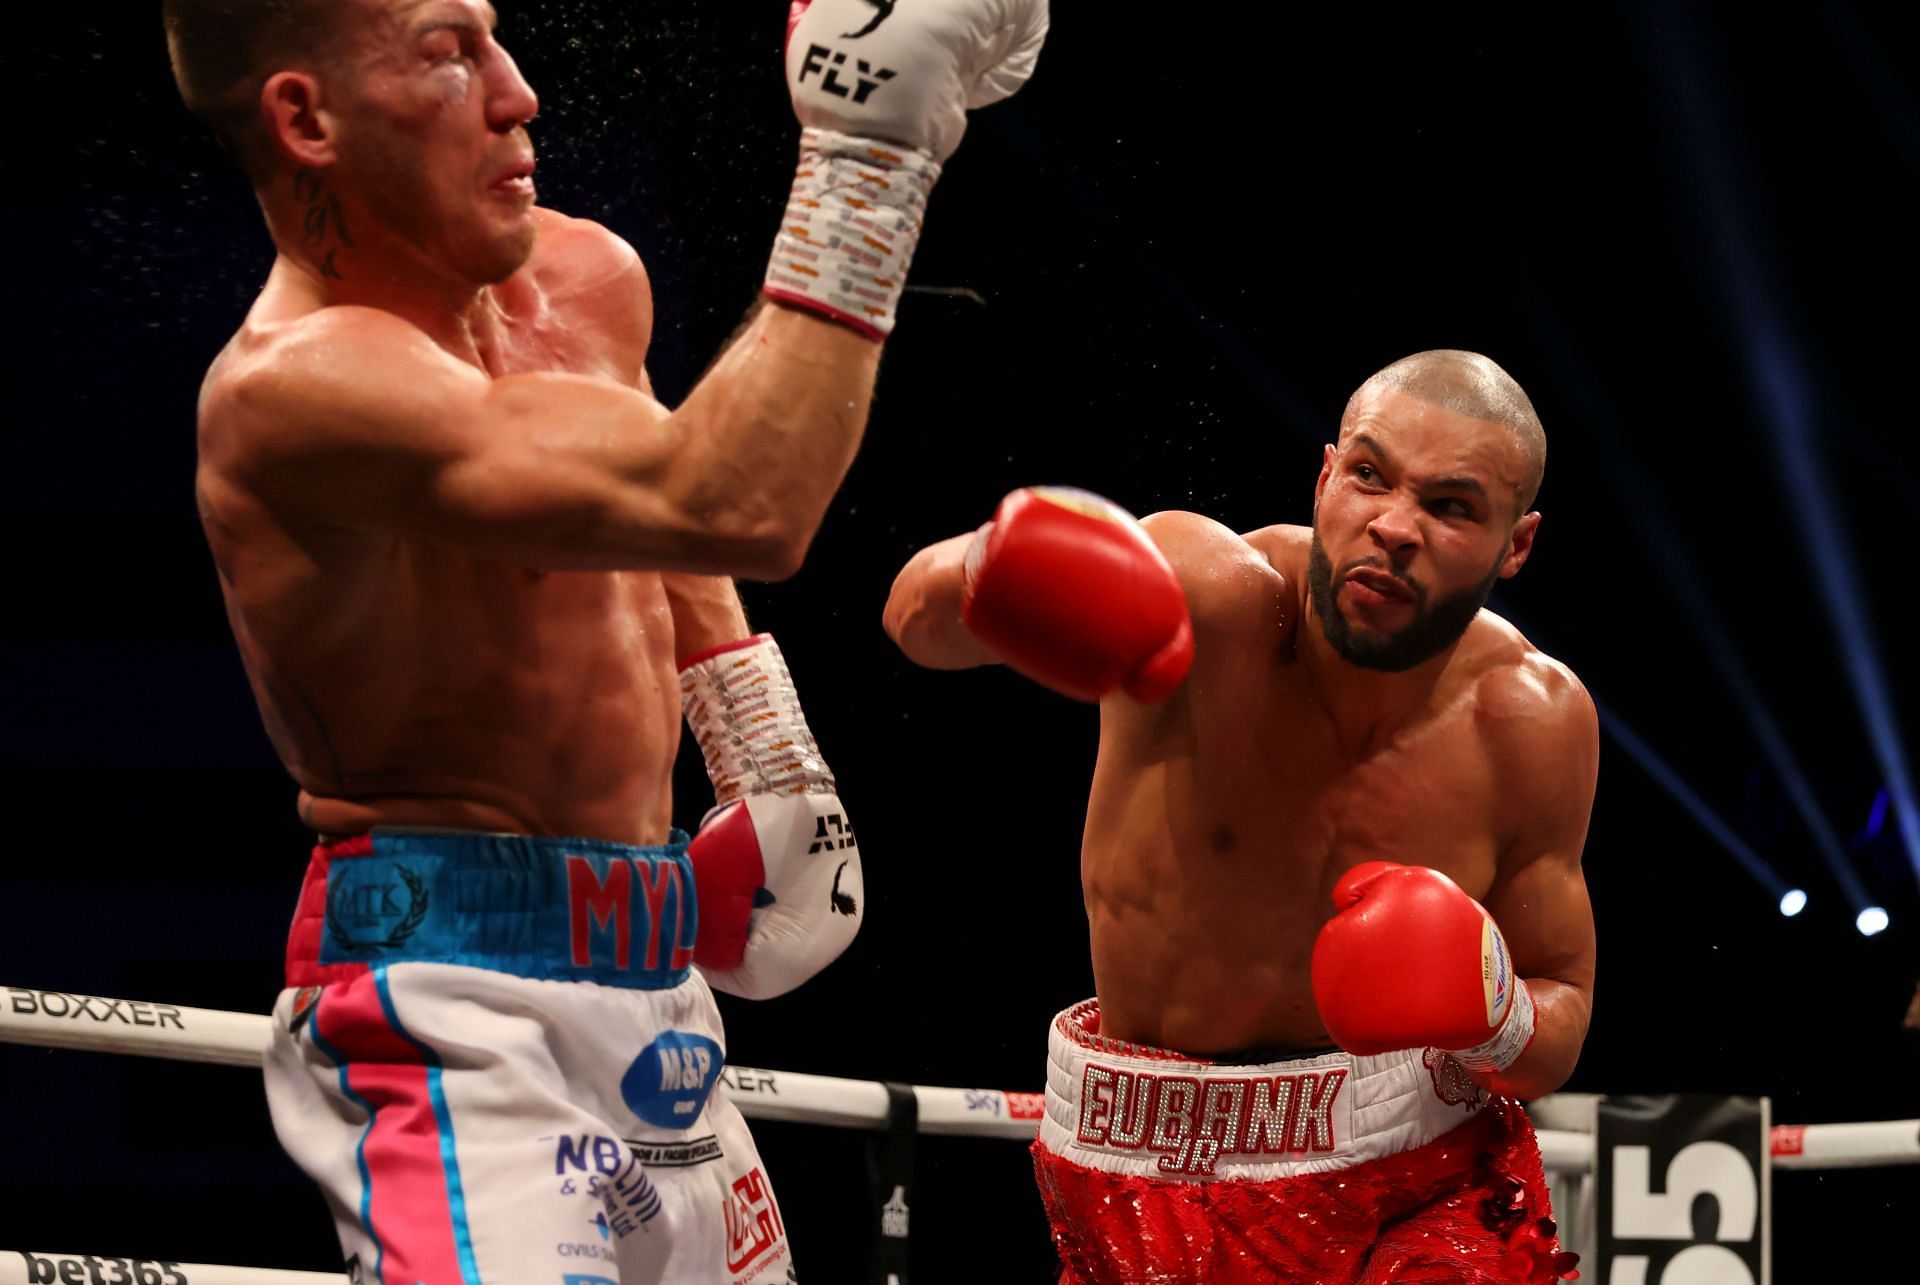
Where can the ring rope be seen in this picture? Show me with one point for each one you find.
(57, 1019)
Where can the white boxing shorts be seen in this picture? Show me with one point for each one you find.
(495, 1060)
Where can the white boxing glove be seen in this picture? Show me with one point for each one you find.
(780, 888)
(775, 862)
(906, 71)
(882, 89)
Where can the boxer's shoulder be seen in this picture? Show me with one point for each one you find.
(592, 279)
(1534, 714)
(1286, 548)
(286, 373)
(571, 255)
(1229, 579)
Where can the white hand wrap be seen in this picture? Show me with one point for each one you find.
(851, 226)
(1505, 1046)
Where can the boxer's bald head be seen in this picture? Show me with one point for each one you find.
(1475, 386)
(224, 51)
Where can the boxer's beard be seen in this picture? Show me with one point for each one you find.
(1436, 625)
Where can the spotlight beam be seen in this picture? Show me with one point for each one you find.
(1671, 781)
(1696, 807)
(1683, 579)
(1780, 387)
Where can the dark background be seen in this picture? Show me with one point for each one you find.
(1197, 231)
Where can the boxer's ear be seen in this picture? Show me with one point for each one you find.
(1519, 546)
(1326, 471)
(300, 129)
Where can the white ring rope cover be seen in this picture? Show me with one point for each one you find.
(57, 1019)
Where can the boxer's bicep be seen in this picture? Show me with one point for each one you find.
(365, 424)
(1539, 897)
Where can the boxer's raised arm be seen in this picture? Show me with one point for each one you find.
(1062, 584)
(359, 421)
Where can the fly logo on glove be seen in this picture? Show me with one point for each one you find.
(826, 64)
(878, 121)
(831, 833)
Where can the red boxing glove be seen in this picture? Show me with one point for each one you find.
(1071, 592)
(1409, 961)
(775, 864)
(730, 873)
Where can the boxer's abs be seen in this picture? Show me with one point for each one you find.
(1199, 949)
(429, 687)
(1208, 871)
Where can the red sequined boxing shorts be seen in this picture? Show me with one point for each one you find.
(1330, 1170)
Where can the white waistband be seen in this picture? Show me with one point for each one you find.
(1129, 1108)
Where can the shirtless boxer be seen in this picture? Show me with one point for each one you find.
(1348, 705)
(473, 568)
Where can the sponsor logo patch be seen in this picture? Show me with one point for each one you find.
(753, 1221)
(304, 1001)
(676, 1155)
(73, 1269)
(364, 915)
(1451, 1083)
(1496, 972)
(670, 1081)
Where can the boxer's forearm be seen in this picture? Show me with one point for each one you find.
(770, 432)
(922, 615)
(706, 613)
(1561, 1013)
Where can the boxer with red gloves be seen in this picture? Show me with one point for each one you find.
(1331, 861)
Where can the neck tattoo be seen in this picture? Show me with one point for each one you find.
(323, 228)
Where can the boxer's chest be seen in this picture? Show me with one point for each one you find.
(1290, 801)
